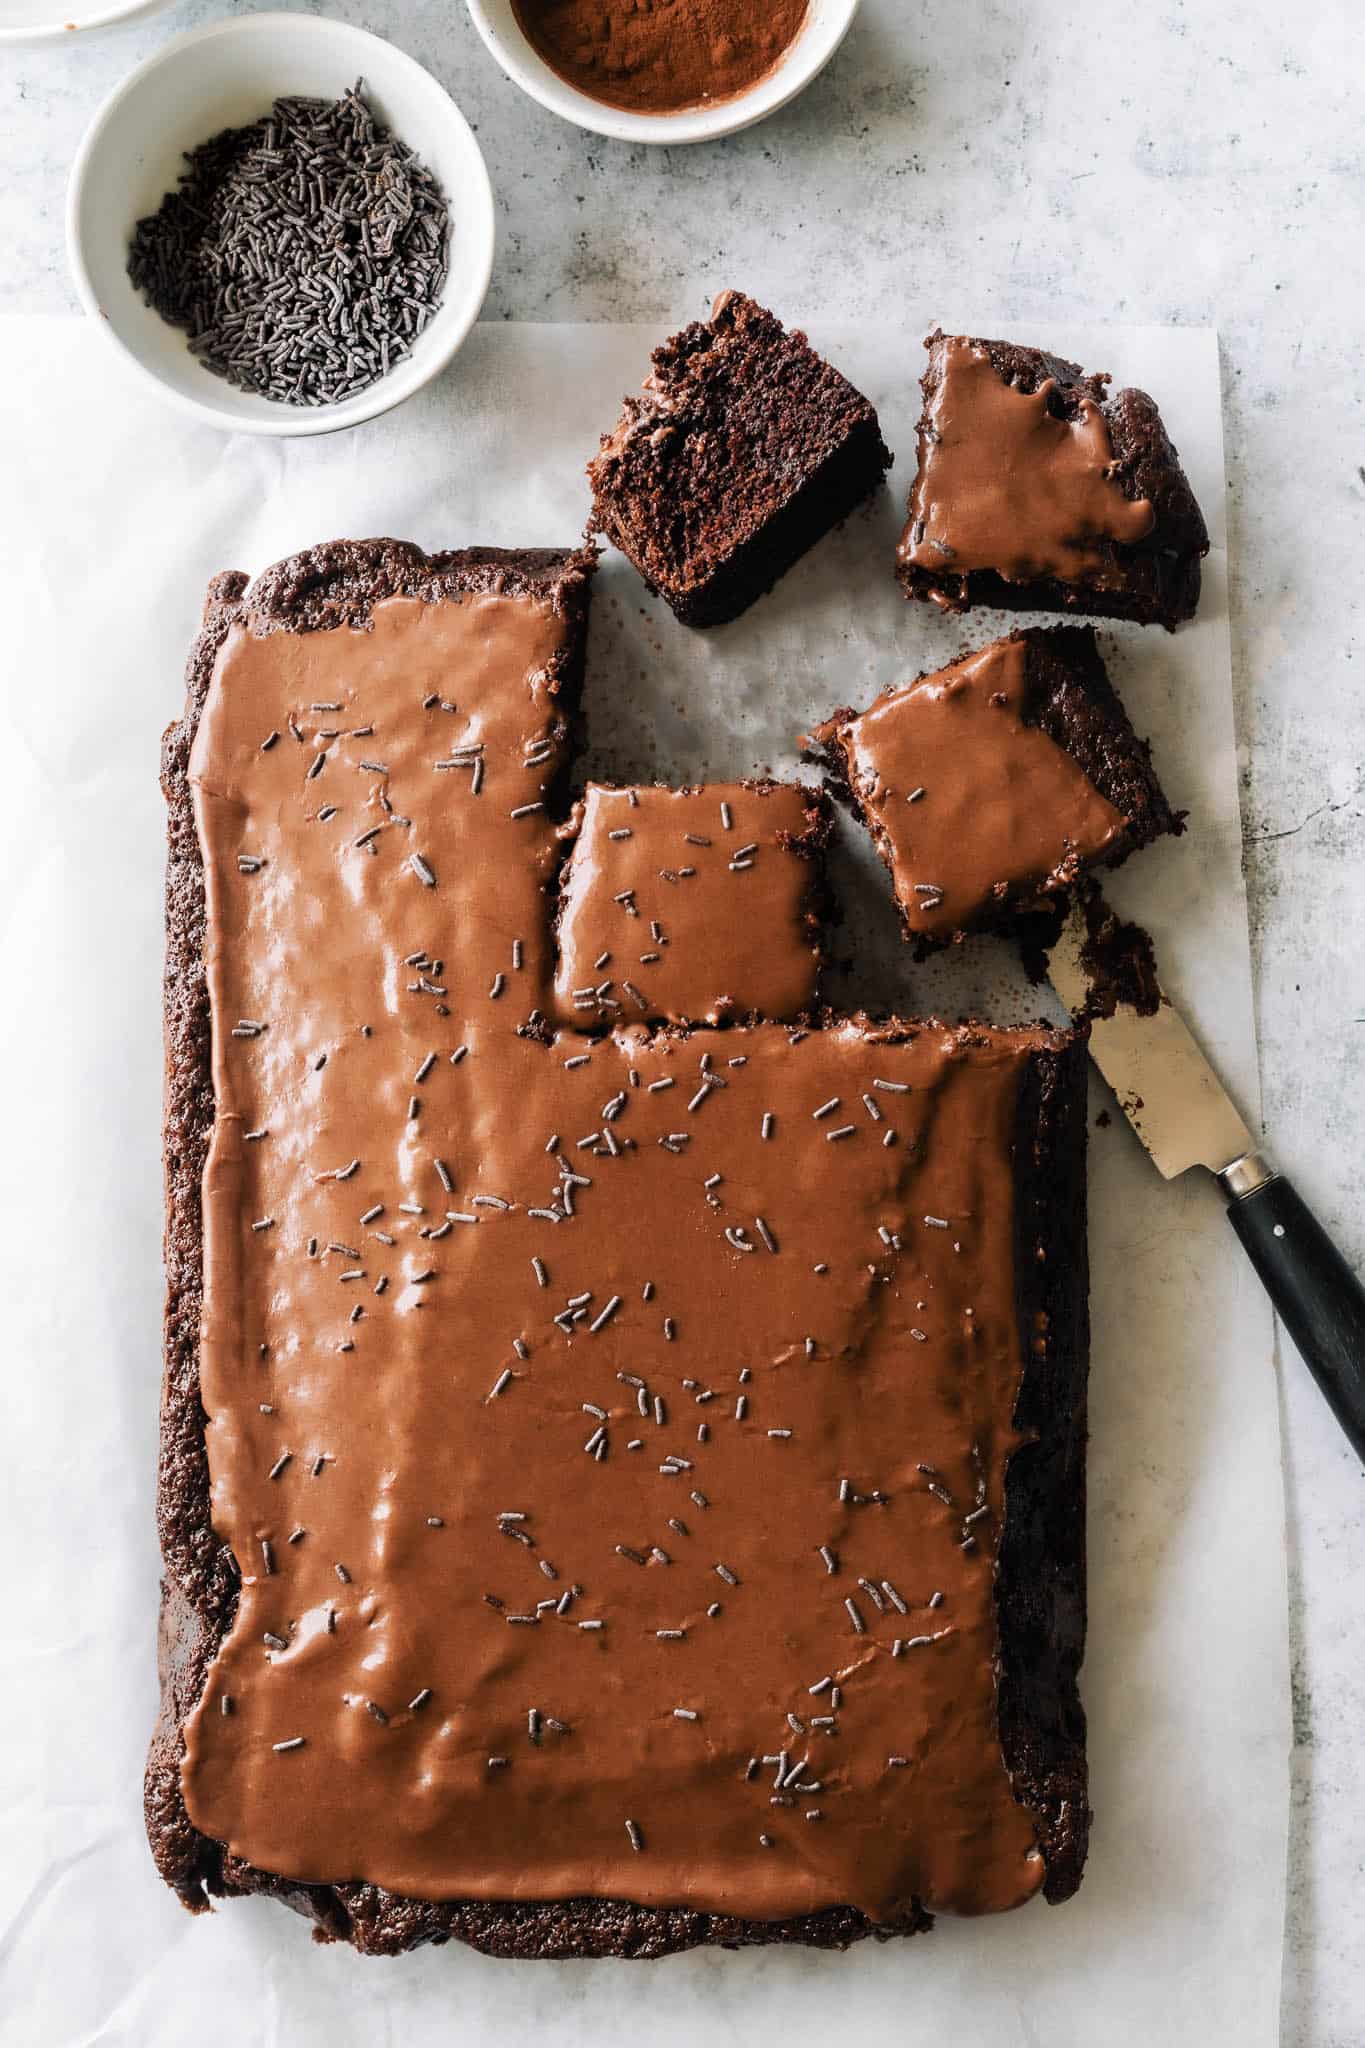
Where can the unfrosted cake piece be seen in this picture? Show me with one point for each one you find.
(991, 785)
(616, 1494)
(1040, 490)
(692, 905)
(742, 449)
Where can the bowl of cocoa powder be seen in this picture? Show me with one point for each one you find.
(663, 70)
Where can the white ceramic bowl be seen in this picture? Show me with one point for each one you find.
(42, 21)
(825, 28)
(225, 76)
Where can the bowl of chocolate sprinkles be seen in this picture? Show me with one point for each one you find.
(284, 222)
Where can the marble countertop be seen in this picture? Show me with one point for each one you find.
(1201, 163)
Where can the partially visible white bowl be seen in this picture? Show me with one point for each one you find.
(825, 27)
(226, 76)
(44, 21)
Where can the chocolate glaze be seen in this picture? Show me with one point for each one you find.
(666, 891)
(1007, 483)
(990, 784)
(369, 1634)
(971, 804)
(1038, 489)
(1038, 1583)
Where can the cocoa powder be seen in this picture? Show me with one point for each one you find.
(659, 56)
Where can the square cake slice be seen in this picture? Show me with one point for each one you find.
(742, 449)
(616, 1494)
(692, 905)
(1039, 490)
(991, 785)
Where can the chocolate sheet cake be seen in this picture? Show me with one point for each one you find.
(616, 1494)
(1039, 490)
(742, 449)
(667, 891)
(992, 784)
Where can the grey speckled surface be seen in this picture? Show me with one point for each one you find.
(1195, 161)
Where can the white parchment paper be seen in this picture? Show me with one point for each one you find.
(113, 513)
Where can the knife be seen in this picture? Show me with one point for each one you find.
(1185, 1117)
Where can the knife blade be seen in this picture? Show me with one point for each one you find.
(1185, 1117)
(1165, 1086)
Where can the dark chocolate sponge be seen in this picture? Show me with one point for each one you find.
(743, 448)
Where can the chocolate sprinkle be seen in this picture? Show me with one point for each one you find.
(302, 255)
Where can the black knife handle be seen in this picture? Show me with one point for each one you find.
(1317, 1297)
